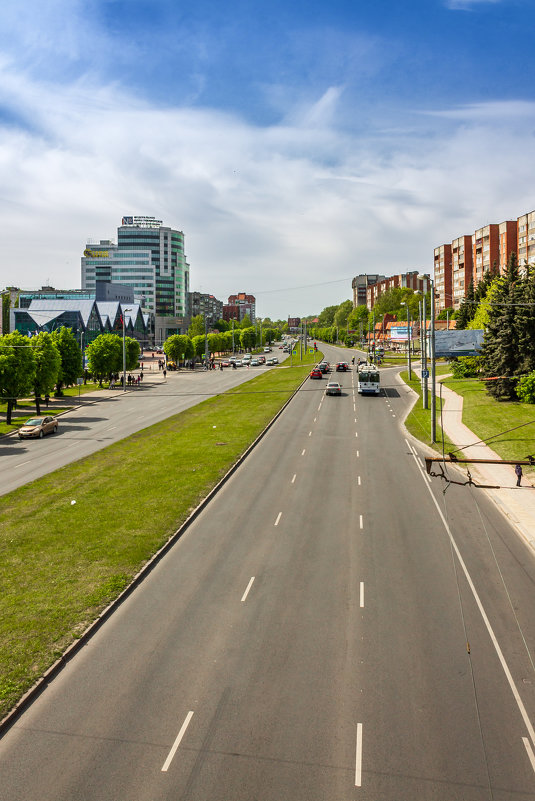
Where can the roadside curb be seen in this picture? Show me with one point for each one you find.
(40, 685)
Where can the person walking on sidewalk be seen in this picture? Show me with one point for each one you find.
(518, 471)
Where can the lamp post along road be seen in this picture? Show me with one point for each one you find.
(124, 348)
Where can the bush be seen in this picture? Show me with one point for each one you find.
(466, 367)
(525, 388)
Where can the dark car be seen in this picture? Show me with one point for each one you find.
(38, 427)
(324, 367)
(342, 367)
(333, 388)
(316, 373)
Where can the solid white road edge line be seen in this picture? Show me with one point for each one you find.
(278, 518)
(358, 757)
(246, 593)
(482, 612)
(530, 752)
(180, 735)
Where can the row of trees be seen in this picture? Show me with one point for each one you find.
(47, 362)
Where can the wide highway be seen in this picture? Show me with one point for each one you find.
(333, 626)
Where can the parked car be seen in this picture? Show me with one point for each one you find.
(316, 373)
(333, 388)
(342, 367)
(38, 427)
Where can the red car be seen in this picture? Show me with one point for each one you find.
(316, 373)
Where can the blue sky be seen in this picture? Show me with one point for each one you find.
(296, 145)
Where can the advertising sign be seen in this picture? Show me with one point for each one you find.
(398, 333)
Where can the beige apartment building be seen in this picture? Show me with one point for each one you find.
(462, 269)
(443, 275)
(526, 239)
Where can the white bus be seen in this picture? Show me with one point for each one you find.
(368, 382)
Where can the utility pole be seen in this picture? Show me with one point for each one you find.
(206, 354)
(424, 356)
(433, 367)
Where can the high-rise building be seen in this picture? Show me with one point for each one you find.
(148, 256)
(443, 276)
(239, 306)
(208, 305)
(360, 284)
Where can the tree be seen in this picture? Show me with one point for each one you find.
(248, 338)
(270, 335)
(467, 307)
(342, 313)
(500, 352)
(198, 345)
(222, 325)
(326, 317)
(197, 327)
(446, 314)
(71, 358)
(105, 356)
(178, 347)
(17, 369)
(358, 316)
(47, 366)
(132, 351)
(245, 322)
(6, 305)
(525, 323)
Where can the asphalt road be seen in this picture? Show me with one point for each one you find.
(108, 416)
(332, 627)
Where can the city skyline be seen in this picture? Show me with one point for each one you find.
(295, 147)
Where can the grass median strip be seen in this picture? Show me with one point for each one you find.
(71, 541)
(418, 421)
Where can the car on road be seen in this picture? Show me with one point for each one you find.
(342, 367)
(225, 363)
(255, 363)
(38, 427)
(333, 388)
(247, 358)
(324, 367)
(273, 360)
(316, 373)
(267, 350)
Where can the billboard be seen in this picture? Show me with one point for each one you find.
(449, 344)
(399, 333)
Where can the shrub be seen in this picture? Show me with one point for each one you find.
(466, 367)
(525, 388)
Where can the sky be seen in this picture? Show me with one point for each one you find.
(295, 144)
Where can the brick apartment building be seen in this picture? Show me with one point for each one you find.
(240, 305)
(412, 280)
(469, 257)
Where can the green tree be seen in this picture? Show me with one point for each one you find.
(196, 328)
(357, 317)
(446, 314)
(197, 343)
(500, 352)
(105, 356)
(222, 325)
(342, 313)
(246, 322)
(326, 317)
(47, 366)
(17, 369)
(248, 338)
(6, 306)
(270, 335)
(132, 351)
(480, 317)
(178, 347)
(71, 358)
(467, 307)
(525, 322)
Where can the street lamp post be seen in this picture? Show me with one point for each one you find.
(406, 303)
(124, 348)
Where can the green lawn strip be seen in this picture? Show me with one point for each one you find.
(487, 417)
(62, 563)
(418, 422)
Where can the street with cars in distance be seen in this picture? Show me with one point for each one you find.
(331, 626)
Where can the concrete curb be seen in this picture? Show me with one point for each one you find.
(40, 685)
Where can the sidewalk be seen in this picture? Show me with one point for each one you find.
(517, 503)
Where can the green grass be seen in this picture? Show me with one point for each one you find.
(419, 420)
(487, 418)
(26, 407)
(62, 563)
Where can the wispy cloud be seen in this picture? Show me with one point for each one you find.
(469, 5)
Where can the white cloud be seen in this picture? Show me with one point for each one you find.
(262, 208)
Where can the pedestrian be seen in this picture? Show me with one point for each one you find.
(164, 372)
(518, 471)
(353, 361)
(47, 398)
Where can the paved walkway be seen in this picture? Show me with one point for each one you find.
(517, 503)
